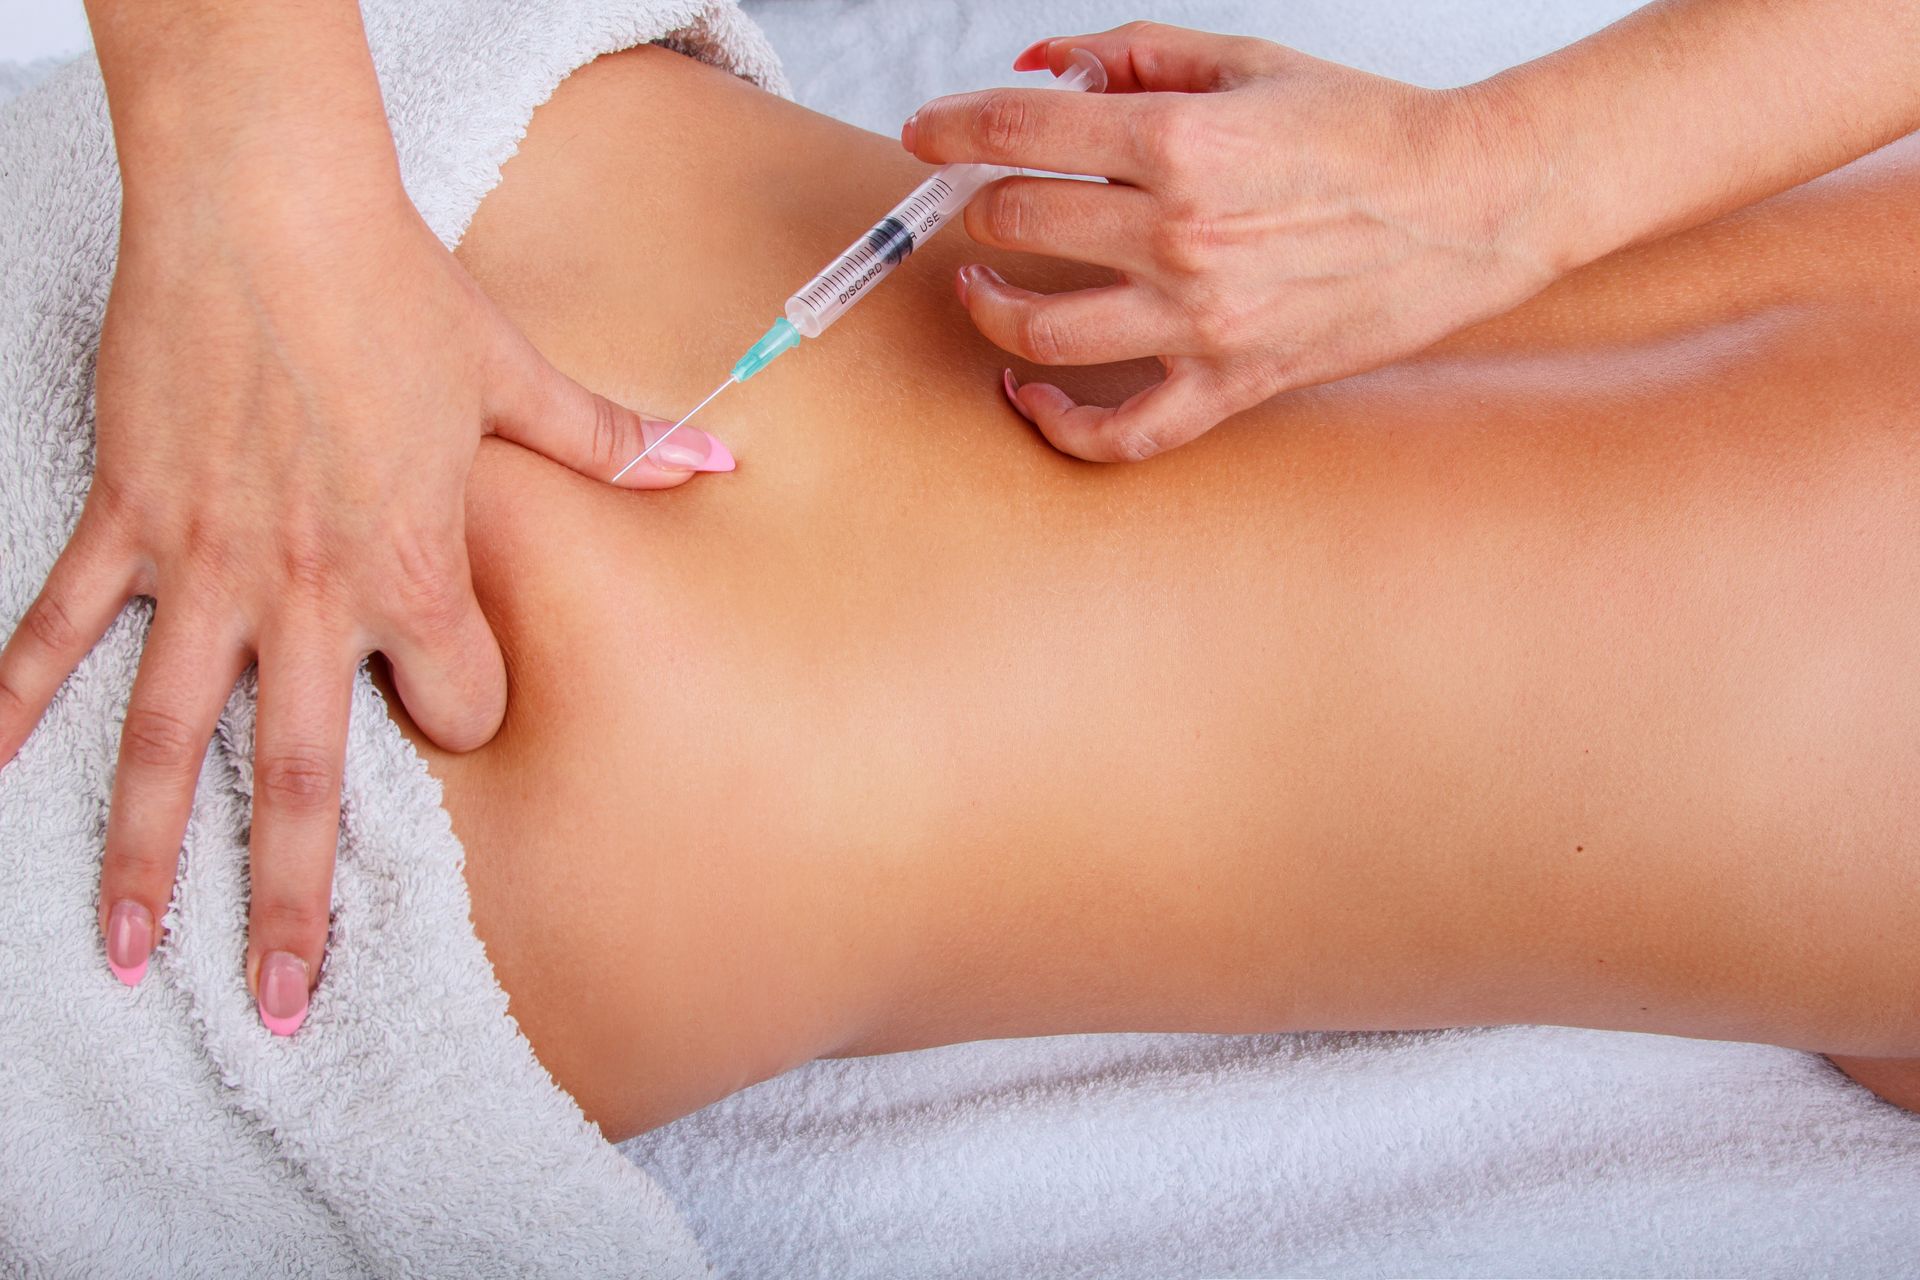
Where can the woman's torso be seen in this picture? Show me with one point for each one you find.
(747, 715)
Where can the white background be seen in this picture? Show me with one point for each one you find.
(1262, 1154)
(31, 29)
(871, 62)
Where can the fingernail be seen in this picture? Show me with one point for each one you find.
(1012, 387)
(688, 449)
(971, 277)
(129, 940)
(283, 992)
(719, 457)
(907, 131)
(1027, 61)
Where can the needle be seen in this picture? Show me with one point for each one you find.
(670, 430)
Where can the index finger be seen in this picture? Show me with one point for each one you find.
(1171, 412)
(1033, 129)
(1152, 57)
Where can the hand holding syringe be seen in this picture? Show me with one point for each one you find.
(871, 259)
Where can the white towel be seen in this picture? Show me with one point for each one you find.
(408, 1129)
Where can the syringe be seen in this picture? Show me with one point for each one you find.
(871, 259)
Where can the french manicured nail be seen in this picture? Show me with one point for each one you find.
(907, 131)
(688, 449)
(1033, 57)
(283, 992)
(1012, 386)
(129, 940)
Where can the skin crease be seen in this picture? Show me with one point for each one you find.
(1563, 675)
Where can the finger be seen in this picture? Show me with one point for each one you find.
(1097, 222)
(299, 749)
(1032, 128)
(1154, 57)
(552, 414)
(1166, 415)
(1084, 326)
(446, 663)
(83, 594)
(187, 670)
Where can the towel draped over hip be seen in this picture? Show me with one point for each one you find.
(407, 1129)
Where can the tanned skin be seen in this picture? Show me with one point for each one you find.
(1565, 674)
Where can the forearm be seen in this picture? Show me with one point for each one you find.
(258, 103)
(1689, 108)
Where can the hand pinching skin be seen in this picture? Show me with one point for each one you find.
(294, 376)
(1272, 220)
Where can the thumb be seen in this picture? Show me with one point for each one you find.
(550, 413)
(1183, 406)
(1152, 57)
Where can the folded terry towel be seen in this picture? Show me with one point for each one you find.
(407, 1129)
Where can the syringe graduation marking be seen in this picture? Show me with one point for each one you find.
(891, 240)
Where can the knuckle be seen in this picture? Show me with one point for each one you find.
(1212, 326)
(1152, 134)
(206, 549)
(1174, 140)
(607, 443)
(1003, 124)
(286, 918)
(128, 865)
(49, 623)
(307, 563)
(1217, 323)
(427, 585)
(1008, 213)
(159, 740)
(1187, 242)
(301, 782)
(1037, 336)
(1134, 445)
(112, 502)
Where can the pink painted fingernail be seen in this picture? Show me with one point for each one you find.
(1027, 61)
(283, 992)
(688, 449)
(719, 457)
(907, 131)
(129, 940)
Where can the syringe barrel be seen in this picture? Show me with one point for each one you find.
(929, 207)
